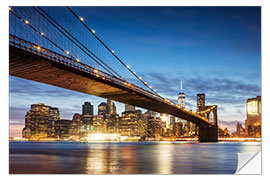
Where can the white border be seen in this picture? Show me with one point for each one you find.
(265, 73)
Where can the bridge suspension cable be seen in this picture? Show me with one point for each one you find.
(112, 52)
(43, 35)
(55, 24)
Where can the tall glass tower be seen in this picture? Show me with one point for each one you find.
(181, 97)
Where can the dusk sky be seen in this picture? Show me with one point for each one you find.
(213, 50)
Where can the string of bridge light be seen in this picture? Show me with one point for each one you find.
(43, 35)
(76, 59)
(207, 110)
(55, 24)
(93, 32)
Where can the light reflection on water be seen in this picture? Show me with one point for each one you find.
(126, 158)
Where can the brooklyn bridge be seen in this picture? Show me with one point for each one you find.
(58, 48)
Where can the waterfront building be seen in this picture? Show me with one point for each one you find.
(200, 102)
(240, 131)
(62, 129)
(87, 108)
(129, 107)
(40, 122)
(107, 109)
(75, 129)
(154, 128)
(111, 108)
(109, 120)
(165, 118)
(129, 124)
(102, 109)
(98, 124)
(253, 121)
(150, 113)
(178, 129)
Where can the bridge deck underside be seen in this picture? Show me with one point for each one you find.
(30, 66)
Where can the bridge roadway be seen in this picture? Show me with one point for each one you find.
(32, 62)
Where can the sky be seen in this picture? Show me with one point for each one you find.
(213, 50)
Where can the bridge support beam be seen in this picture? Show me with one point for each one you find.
(208, 134)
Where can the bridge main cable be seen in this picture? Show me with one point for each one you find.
(27, 23)
(57, 24)
(76, 16)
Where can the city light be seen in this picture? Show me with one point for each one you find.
(67, 52)
(93, 31)
(26, 22)
(112, 51)
(77, 60)
(252, 107)
(38, 47)
(42, 34)
(81, 19)
(102, 137)
(128, 66)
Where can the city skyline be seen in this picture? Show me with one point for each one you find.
(227, 81)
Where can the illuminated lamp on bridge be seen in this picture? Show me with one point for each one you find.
(26, 22)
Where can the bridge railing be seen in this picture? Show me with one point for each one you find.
(53, 56)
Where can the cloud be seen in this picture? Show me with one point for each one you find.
(25, 87)
(231, 125)
(229, 92)
(226, 90)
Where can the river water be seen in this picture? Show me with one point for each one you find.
(126, 157)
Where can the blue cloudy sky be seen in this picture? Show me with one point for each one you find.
(213, 50)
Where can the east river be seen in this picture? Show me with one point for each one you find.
(126, 157)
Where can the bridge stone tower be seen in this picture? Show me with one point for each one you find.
(207, 133)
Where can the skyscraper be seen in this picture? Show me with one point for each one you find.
(165, 118)
(87, 108)
(111, 107)
(102, 109)
(200, 102)
(40, 122)
(182, 97)
(253, 121)
(129, 107)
